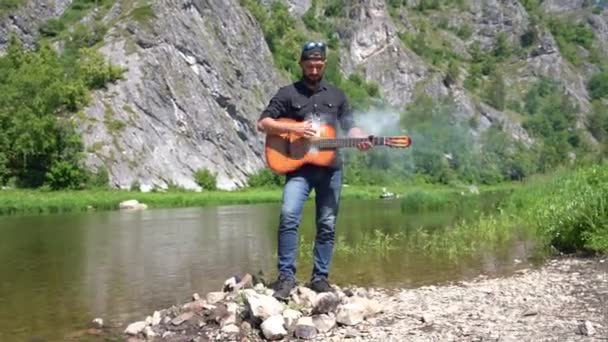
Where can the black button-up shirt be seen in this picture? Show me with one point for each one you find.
(298, 102)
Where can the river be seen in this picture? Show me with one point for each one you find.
(58, 272)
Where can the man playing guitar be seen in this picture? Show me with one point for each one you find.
(309, 101)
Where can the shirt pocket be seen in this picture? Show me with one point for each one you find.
(297, 110)
(329, 107)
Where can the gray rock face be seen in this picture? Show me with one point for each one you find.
(298, 7)
(599, 25)
(553, 65)
(198, 76)
(26, 20)
(375, 49)
(489, 17)
(492, 116)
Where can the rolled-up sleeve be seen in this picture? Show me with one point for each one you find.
(277, 106)
(345, 115)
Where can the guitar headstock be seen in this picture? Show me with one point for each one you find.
(398, 142)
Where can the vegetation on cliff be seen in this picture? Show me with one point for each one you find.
(41, 95)
(444, 150)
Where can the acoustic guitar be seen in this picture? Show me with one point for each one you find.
(288, 152)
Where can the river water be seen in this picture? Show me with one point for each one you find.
(58, 272)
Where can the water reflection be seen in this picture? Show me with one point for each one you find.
(142, 260)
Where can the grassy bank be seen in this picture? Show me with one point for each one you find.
(564, 212)
(39, 202)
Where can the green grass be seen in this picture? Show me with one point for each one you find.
(7, 6)
(464, 238)
(40, 202)
(376, 243)
(33, 201)
(143, 14)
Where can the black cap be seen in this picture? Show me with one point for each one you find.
(313, 50)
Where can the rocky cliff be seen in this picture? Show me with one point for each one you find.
(200, 71)
(24, 20)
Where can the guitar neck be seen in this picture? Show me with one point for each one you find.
(347, 142)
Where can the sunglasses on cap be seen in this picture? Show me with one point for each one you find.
(312, 45)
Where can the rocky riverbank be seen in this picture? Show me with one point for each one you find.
(565, 300)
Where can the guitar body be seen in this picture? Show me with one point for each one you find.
(288, 152)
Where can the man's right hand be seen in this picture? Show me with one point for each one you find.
(272, 126)
(304, 129)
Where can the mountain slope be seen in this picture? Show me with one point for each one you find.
(200, 71)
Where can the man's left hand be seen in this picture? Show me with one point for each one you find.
(358, 133)
(364, 146)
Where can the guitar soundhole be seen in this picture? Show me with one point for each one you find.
(299, 148)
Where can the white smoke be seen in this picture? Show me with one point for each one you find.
(378, 122)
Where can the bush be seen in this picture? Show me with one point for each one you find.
(568, 36)
(95, 71)
(495, 91)
(66, 175)
(206, 179)
(598, 85)
(99, 179)
(465, 32)
(528, 38)
(265, 178)
(552, 119)
(502, 48)
(598, 122)
(334, 8)
(574, 212)
(531, 5)
(52, 27)
(6, 6)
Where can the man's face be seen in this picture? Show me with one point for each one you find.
(313, 69)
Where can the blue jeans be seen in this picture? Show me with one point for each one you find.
(327, 184)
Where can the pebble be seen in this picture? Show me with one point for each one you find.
(561, 300)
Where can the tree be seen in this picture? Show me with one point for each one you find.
(496, 93)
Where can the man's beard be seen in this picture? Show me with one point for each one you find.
(311, 82)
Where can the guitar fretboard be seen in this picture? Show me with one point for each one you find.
(347, 142)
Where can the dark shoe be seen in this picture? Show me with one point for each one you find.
(283, 286)
(321, 285)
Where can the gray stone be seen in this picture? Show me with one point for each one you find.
(305, 328)
(272, 328)
(586, 328)
(305, 332)
(182, 318)
(262, 306)
(135, 328)
(231, 329)
(132, 205)
(325, 303)
(351, 313)
(291, 316)
(98, 323)
(324, 323)
(215, 297)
